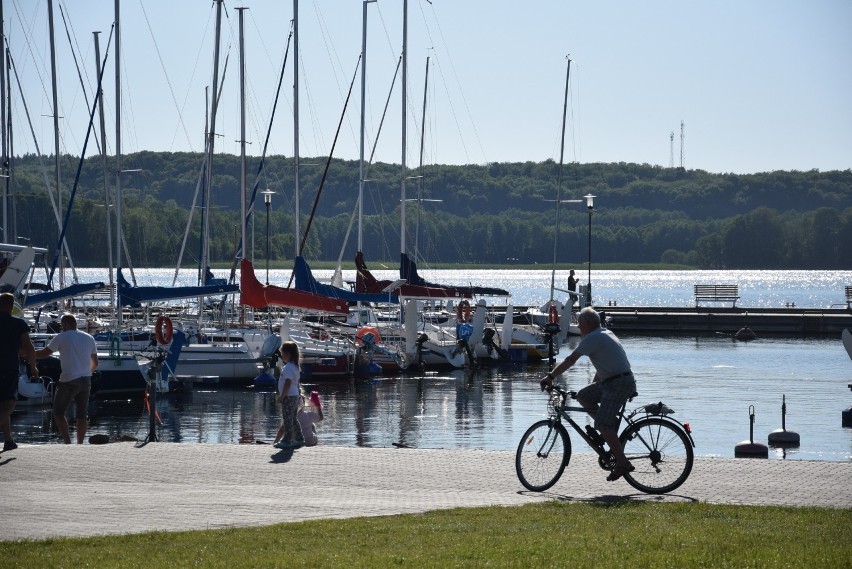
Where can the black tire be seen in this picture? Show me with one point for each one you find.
(543, 454)
(660, 452)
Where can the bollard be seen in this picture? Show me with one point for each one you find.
(782, 437)
(749, 448)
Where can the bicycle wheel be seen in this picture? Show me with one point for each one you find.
(661, 453)
(543, 454)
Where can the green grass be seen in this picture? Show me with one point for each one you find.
(552, 534)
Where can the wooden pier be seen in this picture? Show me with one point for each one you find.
(700, 321)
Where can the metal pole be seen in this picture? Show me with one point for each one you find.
(267, 241)
(589, 283)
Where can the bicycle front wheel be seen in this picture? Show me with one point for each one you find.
(660, 452)
(543, 454)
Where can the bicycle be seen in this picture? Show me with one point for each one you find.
(658, 446)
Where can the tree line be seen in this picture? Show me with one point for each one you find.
(498, 213)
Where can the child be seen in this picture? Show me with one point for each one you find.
(310, 413)
(290, 432)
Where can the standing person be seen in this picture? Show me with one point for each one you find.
(612, 386)
(289, 394)
(572, 286)
(14, 343)
(310, 413)
(78, 357)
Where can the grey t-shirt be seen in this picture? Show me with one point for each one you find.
(606, 353)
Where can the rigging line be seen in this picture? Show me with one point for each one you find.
(458, 82)
(58, 249)
(74, 48)
(327, 164)
(263, 153)
(50, 194)
(168, 80)
(27, 33)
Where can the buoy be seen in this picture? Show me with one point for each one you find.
(749, 448)
(847, 417)
(783, 437)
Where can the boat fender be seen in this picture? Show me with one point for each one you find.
(552, 314)
(463, 311)
(163, 330)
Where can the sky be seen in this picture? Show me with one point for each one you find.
(758, 86)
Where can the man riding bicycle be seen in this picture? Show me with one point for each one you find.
(612, 386)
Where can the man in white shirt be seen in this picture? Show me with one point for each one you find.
(78, 356)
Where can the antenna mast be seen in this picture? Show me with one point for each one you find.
(681, 143)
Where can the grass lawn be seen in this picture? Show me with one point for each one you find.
(554, 534)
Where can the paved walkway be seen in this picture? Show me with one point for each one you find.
(57, 490)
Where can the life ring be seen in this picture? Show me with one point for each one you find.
(359, 336)
(463, 311)
(163, 330)
(552, 314)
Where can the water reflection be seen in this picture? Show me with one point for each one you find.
(710, 382)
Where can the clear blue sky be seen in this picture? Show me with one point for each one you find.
(761, 85)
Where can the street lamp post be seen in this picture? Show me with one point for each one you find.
(590, 205)
(267, 200)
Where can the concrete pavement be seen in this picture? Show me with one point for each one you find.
(57, 490)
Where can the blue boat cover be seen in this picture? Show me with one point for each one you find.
(306, 282)
(73, 290)
(134, 296)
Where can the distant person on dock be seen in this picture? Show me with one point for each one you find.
(572, 286)
(612, 386)
(14, 343)
(310, 413)
(289, 394)
(78, 357)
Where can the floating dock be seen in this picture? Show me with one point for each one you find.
(702, 320)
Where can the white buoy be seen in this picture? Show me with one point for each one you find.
(749, 448)
(783, 437)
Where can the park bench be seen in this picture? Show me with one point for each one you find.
(849, 297)
(717, 293)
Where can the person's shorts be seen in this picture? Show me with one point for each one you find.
(8, 386)
(610, 396)
(76, 390)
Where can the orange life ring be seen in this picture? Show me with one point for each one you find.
(163, 330)
(552, 314)
(359, 336)
(463, 311)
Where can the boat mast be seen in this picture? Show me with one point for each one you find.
(559, 182)
(363, 112)
(243, 130)
(8, 236)
(100, 96)
(420, 176)
(57, 161)
(211, 136)
(404, 125)
(298, 231)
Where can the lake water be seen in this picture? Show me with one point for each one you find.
(710, 382)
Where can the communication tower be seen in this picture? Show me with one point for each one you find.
(681, 143)
(671, 149)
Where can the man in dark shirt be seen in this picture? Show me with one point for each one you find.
(14, 342)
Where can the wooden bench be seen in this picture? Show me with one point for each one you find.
(849, 297)
(717, 293)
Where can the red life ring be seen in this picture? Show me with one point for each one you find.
(552, 314)
(163, 330)
(463, 311)
(359, 336)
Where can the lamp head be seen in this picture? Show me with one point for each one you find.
(590, 201)
(267, 196)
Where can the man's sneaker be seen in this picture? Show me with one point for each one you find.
(280, 445)
(298, 444)
(9, 445)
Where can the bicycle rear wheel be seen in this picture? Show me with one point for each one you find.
(543, 454)
(660, 452)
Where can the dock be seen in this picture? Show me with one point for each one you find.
(702, 320)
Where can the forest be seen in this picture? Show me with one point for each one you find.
(498, 213)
